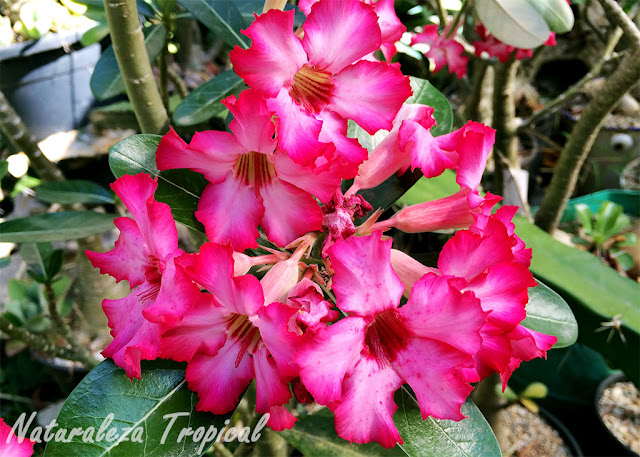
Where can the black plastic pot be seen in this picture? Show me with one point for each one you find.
(47, 81)
(567, 437)
(617, 448)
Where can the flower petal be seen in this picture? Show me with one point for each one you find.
(282, 344)
(432, 370)
(364, 282)
(230, 212)
(15, 447)
(348, 152)
(210, 153)
(289, 212)
(275, 55)
(370, 93)
(128, 259)
(252, 123)
(271, 390)
(365, 412)
(280, 418)
(435, 305)
(340, 343)
(220, 380)
(340, 32)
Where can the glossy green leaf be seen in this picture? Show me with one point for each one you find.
(425, 94)
(548, 313)
(63, 226)
(139, 408)
(43, 260)
(95, 34)
(514, 22)
(585, 217)
(315, 435)
(180, 189)
(595, 292)
(439, 438)
(204, 103)
(73, 191)
(106, 80)
(222, 17)
(557, 14)
(427, 189)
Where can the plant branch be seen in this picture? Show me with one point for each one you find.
(81, 353)
(504, 115)
(588, 126)
(14, 129)
(128, 45)
(454, 24)
(36, 342)
(472, 106)
(178, 83)
(442, 14)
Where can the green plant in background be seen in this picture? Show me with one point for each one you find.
(606, 233)
(534, 391)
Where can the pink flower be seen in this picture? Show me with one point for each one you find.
(233, 335)
(390, 26)
(339, 215)
(442, 51)
(313, 85)
(380, 346)
(15, 447)
(490, 260)
(144, 255)
(495, 48)
(251, 182)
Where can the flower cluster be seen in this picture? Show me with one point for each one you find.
(325, 323)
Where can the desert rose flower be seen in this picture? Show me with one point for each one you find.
(495, 48)
(442, 50)
(315, 84)
(355, 365)
(251, 182)
(235, 335)
(144, 255)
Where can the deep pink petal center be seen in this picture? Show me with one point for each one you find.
(254, 169)
(385, 336)
(312, 88)
(240, 327)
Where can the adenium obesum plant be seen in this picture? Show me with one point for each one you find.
(327, 322)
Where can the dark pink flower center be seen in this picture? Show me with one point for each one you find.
(240, 328)
(312, 88)
(154, 269)
(385, 336)
(254, 169)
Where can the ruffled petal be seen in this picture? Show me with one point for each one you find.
(271, 390)
(425, 150)
(297, 130)
(210, 153)
(348, 152)
(220, 380)
(212, 268)
(364, 282)
(252, 123)
(340, 343)
(365, 413)
(134, 337)
(129, 259)
(281, 343)
(390, 26)
(340, 32)
(153, 218)
(289, 212)
(432, 369)
(230, 212)
(370, 93)
(434, 305)
(202, 330)
(275, 55)
(320, 185)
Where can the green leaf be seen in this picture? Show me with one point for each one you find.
(439, 438)
(427, 189)
(44, 261)
(138, 405)
(595, 292)
(557, 14)
(586, 218)
(73, 191)
(106, 80)
(63, 226)
(5, 262)
(222, 17)
(180, 189)
(425, 94)
(514, 22)
(94, 34)
(204, 103)
(316, 435)
(548, 313)
(4, 168)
